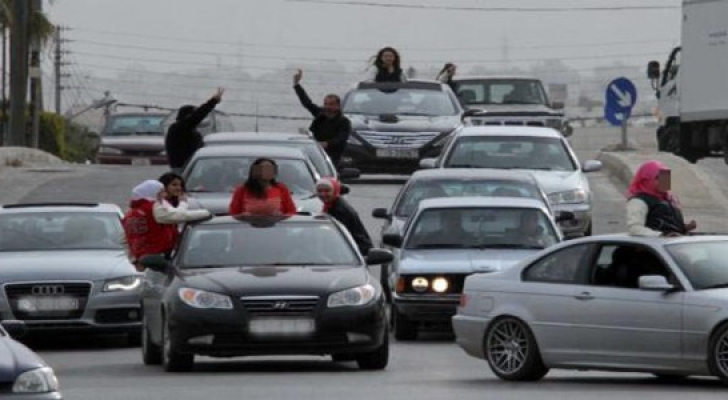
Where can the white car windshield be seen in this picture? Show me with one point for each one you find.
(702, 262)
(41, 231)
(492, 227)
(224, 174)
(289, 243)
(415, 102)
(510, 152)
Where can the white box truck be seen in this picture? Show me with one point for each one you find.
(692, 88)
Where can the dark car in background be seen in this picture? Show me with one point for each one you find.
(395, 124)
(231, 291)
(23, 374)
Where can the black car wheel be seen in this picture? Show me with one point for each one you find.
(512, 352)
(718, 353)
(376, 359)
(404, 329)
(173, 360)
(151, 353)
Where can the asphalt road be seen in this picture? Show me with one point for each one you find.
(101, 368)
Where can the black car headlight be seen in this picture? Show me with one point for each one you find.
(358, 296)
(202, 299)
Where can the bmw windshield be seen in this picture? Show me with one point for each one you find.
(511, 152)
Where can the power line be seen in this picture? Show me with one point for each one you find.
(488, 8)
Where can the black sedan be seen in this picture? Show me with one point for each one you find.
(23, 375)
(264, 286)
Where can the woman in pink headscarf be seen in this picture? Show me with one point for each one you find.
(652, 210)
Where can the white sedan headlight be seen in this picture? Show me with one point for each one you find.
(202, 299)
(125, 284)
(577, 196)
(357, 296)
(41, 380)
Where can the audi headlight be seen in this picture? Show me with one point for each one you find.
(202, 299)
(41, 380)
(440, 285)
(109, 150)
(577, 196)
(125, 284)
(357, 296)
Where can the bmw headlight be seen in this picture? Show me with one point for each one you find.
(440, 285)
(357, 296)
(202, 299)
(577, 196)
(125, 284)
(41, 380)
(109, 150)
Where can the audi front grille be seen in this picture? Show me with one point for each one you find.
(76, 293)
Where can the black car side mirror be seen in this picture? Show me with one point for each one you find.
(565, 216)
(16, 329)
(379, 256)
(380, 213)
(392, 240)
(155, 262)
(349, 173)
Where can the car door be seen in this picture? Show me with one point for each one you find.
(619, 324)
(550, 284)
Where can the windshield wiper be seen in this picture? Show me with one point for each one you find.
(718, 286)
(439, 246)
(509, 246)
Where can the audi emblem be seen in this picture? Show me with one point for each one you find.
(47, 290)
(280, 305)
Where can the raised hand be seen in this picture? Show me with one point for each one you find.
(218, 95)
(297, 77)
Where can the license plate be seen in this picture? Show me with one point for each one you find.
(282, 327)
(398, 153)
(140, 161)
(47, 303)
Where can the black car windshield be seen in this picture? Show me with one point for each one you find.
(284, 243)
(501, 91)
(432, 188)
(39, 231)
(510, 152)
(128, 125)
(703, 263)
(415, 102)
(492, 227)
(224, 174)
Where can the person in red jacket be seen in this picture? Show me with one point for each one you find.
(261, 194)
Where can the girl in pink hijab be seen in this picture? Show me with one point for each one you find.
(652, 210)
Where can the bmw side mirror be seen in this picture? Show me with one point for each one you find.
(655, 283)
(565, 216)
(380, 213)
(155, 262)
(16, 329)
(379, 256)
(349, 173)
(392, 240)
(428, 163)
(592, 166)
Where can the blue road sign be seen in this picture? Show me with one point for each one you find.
(621, 94)
(615, 115)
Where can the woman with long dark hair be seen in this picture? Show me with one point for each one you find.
(387, 67)
(446, 75)
(261, 194)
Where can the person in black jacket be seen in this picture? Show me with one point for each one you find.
(329, 127)
(329, 191)
(183, 139)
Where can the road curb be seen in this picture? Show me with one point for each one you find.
(15, 157)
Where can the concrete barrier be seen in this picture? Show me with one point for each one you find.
(26, 157)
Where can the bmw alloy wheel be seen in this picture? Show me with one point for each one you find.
(511, 351)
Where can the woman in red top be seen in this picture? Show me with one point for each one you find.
(261, 194)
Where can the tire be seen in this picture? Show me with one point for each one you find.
(404, 329)
(718, 353)
(377, 359)
(173, 360)
(512, 352)
(151, 353)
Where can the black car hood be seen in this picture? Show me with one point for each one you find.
(15, 359)
(271, 280)
(399, 123)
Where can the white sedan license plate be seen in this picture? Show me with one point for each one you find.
(398, 153)
(282, 326)
(47, 303)
(140, 161)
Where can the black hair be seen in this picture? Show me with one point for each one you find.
(167, 180)
(380, 64)
(252, 184)
(185, 111)
(445, 68)
(335, 97)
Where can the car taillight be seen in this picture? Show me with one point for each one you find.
(401, 284)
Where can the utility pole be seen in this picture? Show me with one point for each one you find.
(18, 72)
(36, 91)
(4, 118)
(57, 65)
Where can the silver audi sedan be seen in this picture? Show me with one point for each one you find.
(617, 302)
